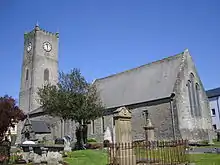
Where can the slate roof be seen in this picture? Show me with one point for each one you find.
(35, 111)
(213, 92)
(40, 127)
(145, 83)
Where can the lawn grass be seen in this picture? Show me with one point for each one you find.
(205, 159)
(164, 155)
(87, 157)
(96, 157)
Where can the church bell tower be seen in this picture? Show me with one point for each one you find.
(40, 65)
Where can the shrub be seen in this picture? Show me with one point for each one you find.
(94, 146)
(91, 140)
(10, 114)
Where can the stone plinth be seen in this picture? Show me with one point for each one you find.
(123, 137)
(149, 131)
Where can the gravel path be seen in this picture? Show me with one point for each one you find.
(200, 150)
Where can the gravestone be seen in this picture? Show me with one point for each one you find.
(123, 134)
(107, 137)
(67, 140)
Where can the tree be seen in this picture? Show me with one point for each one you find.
(72, 98)
(10, 114)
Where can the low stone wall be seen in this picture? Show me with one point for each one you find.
(40, 153)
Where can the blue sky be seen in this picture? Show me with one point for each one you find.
(105, 37)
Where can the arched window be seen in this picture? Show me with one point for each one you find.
(193, 90)
(27, 74)
(189, 85)
(198, 107)
(46, 75)
(192, 79)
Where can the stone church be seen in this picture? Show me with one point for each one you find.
(169, 89)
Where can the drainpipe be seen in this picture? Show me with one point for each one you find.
(172, 115)
(218, 108)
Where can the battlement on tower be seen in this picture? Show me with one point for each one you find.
(37, 28)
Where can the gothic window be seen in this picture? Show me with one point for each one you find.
(193, 93)
(198, 107)
(193, 90)
(46, 75)
(27, 135)
(189, 85)
(27, 74)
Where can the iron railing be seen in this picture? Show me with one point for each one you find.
(149, 152)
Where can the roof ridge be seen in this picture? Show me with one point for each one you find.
(144, 65)
(211, 89)
(181, 67)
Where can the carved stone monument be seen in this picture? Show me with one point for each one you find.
(149, 131)
(123, 134)
(149, 128)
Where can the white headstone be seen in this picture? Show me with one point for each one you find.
(28, 142)
(107, 135)
(67, 140)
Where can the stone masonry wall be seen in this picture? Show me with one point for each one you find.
(192, 128)
(160, 116)
(43, 60)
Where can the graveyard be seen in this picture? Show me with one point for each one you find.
(99, 157)
(120, 150)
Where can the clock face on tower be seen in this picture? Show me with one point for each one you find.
(29, 47)
(47, 46)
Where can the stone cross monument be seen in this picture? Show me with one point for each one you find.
(149, 128)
